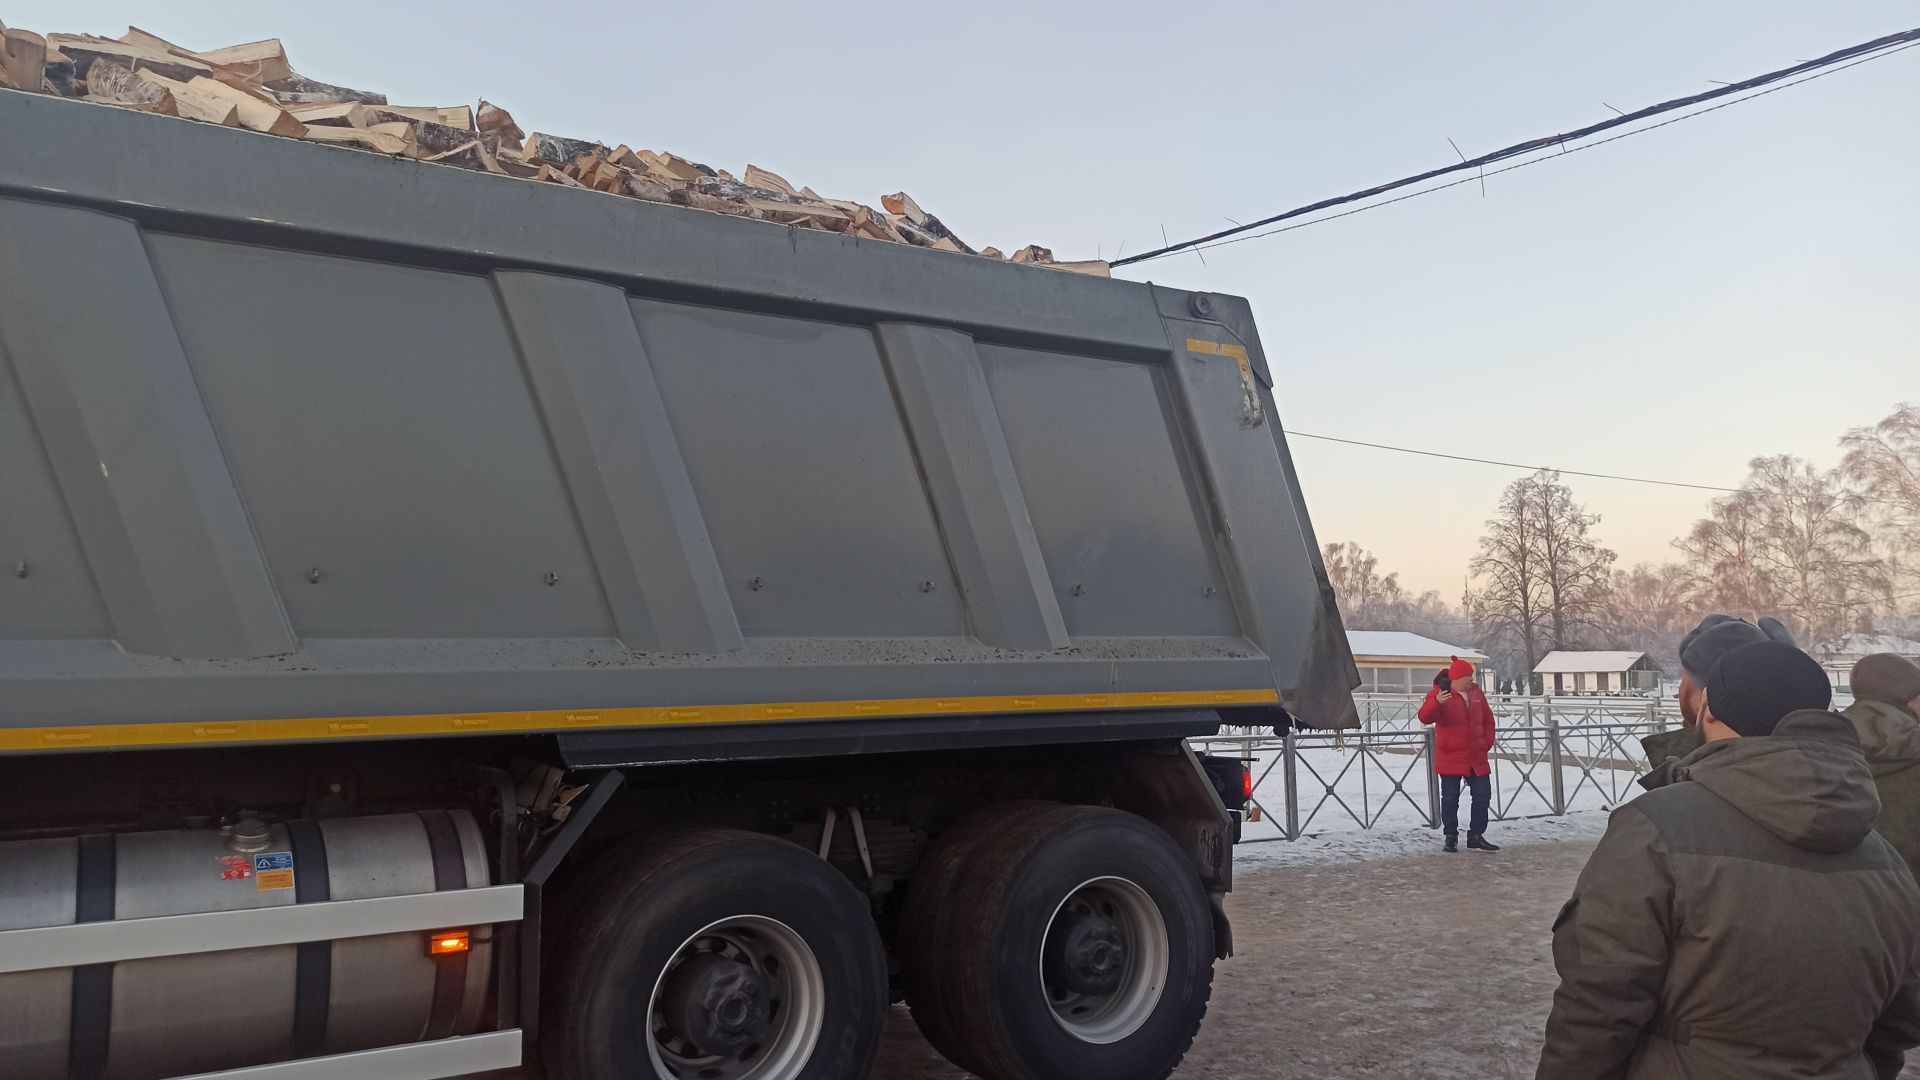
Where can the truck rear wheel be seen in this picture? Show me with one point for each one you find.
(1060, 943)
(716, 954)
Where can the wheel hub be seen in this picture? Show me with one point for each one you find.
(720, 1005)
(1086, 953)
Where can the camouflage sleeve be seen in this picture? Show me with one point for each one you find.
(1896, 1032)
(1610, 947)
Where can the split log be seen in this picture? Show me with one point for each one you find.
(552, 175)
(509, 161)
(246, 86)
(137, 36)
(701, 201)
(381, 138)
(869, 222)
(116, 84)
(901, 204)
(471, 156)
(298, 89)
(791, 213)
(557, 151)
(83, 51)
(332, 114)
(23, 60)
(656, 169)
(761, 178)
(936, 228)
(458, 116)
(431, 138)
(993, 253)
(641, 187)
(256, 61)
(195, 103)
(254, 113)
(1033, 253)
(689, 171)
(497, 123)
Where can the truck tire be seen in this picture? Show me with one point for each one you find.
(717, 954)
(1060, 943)
(927, 916)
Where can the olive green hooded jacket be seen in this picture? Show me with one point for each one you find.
(1890, 735)
(1743, 922)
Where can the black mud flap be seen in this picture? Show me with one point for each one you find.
(1324, 697)
(1222, 929)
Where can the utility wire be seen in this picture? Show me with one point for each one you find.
(1292, 434)
(1436, 188)
(1858, 54)
(1549, 468)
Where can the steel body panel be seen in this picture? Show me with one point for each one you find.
(415, 442)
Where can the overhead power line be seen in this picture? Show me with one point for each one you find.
(1753, 492)
(1738, 91)
(1292, 434)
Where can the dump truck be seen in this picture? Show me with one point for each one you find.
(451, 623)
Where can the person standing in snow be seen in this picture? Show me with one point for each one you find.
(1462, 737)
(1700, 650)
(1743, 921)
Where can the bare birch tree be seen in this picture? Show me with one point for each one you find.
(1370, 600)
(1543, 579)
(1882, 464)
(1790, 543)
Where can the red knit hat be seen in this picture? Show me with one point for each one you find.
(1459, 669)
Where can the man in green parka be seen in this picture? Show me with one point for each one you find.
(1886, 715)
(1743, 921)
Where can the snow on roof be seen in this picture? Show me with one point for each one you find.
(1401, 643)
(1562, 661)
(1854, 645)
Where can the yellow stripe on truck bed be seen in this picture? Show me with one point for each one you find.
(305, 729)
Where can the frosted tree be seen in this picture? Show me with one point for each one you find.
(1882, 464)
(1541, 576)
(1790, 543)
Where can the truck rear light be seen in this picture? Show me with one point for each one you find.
(449, 942)
(1246, 783)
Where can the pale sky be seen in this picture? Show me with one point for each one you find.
(1670, 306)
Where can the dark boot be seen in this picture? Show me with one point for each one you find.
(1481, 843)
(1453, 844)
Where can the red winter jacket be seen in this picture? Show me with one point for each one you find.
(1462, 732)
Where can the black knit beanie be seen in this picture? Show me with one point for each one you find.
(1756, 686)
(1718, 635)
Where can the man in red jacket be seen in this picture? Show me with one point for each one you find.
(1462, 736)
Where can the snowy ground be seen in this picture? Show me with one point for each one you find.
(1365, 955)
(1337, 848)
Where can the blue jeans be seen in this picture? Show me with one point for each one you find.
(1482, 790)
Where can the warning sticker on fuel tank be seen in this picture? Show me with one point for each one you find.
(273, 870)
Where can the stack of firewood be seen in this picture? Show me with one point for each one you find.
(254, 88)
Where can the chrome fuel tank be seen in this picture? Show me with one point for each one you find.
(168, 1016)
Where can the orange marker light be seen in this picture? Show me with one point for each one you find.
(449, 943)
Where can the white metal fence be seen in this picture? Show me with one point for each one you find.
(1550, 756)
